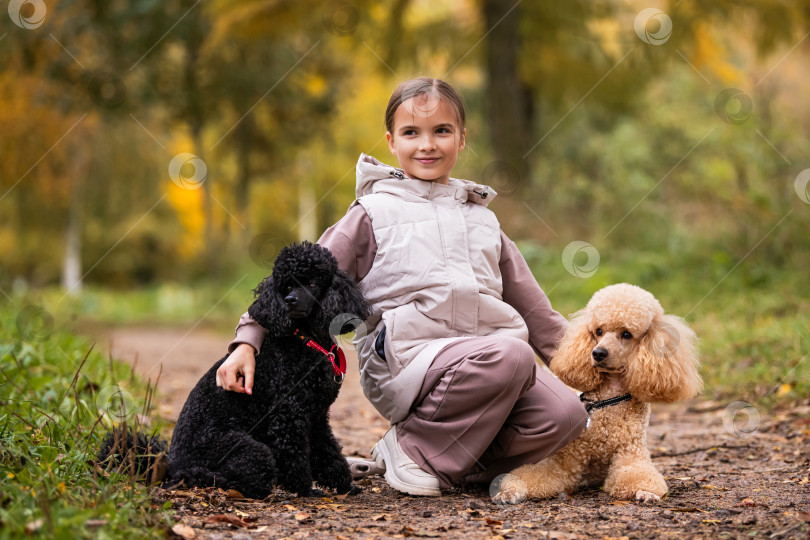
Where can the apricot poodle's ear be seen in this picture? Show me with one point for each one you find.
(572, 362)
(665, 366)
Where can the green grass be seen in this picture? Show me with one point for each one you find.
(57, 397)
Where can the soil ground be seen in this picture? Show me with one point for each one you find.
(747, 478)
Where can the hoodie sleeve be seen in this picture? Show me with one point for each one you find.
(351, 241)
(522, 292)
(248, 331)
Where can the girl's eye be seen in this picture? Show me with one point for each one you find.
(443, 130)
(627, 335)
(409, 132)
(598, 332)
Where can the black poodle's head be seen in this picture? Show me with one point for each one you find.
(307, 291)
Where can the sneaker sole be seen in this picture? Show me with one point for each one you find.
(381, 457)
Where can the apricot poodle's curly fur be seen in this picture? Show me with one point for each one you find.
(621, 343)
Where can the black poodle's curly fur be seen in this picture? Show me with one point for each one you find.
(279, 435)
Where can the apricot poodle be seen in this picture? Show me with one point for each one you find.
(625, 353)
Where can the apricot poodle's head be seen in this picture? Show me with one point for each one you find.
(623, 334)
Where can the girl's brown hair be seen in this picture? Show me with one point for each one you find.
(426, 87)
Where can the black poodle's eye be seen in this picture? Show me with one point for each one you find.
(598, 332)
(288, 289)
(627, 335)
(313, 284)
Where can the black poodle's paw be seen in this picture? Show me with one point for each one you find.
(354, 489)
(313, 492)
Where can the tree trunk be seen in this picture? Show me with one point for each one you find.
(308, 220)
(508, 98)
(72, 260)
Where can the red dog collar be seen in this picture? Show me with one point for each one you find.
(334, 354)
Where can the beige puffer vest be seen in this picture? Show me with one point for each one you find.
(435, 278)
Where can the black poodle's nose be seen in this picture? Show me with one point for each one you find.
(599, 354)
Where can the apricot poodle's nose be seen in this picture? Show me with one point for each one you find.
(599, 354)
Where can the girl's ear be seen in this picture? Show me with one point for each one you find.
(390, 139)
(462, 142)
(572, 362)
(665, 365)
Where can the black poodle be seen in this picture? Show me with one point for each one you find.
(279, 435)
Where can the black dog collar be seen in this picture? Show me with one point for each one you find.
(591, 406)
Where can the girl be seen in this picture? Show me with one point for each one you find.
(449, 356)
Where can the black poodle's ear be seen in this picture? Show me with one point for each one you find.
(342, 303)
(268, 310)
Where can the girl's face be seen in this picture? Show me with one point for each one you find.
(426, 138)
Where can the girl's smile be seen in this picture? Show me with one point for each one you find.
(426, 138)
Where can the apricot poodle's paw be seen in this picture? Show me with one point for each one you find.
(508, 489)
(646, 497)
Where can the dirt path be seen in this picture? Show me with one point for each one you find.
(728, 479)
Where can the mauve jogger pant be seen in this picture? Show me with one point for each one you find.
(486, 405)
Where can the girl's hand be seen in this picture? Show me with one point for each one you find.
(236, 373)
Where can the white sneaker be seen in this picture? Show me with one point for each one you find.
(401, 472)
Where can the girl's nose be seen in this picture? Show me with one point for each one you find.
(426, 143)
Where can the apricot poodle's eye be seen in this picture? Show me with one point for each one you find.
(627, 335)
(598, 332)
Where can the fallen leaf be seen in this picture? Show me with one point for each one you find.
(784, 390)
(184, 531)
(710, 486)
(236, 521)
(381, 517)
(804, 516)
(291, 508)
(233, 494)
(494, 522)
(711, 521)
(301, 517)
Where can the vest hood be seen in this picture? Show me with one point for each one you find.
(374, 176)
